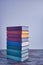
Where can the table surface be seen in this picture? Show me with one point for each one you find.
(35, 58)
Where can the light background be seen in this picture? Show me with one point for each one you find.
(22, 12)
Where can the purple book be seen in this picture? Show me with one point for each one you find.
(17, 28)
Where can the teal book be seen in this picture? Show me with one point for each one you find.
(17, 53)
(17, 58)
(18, 48)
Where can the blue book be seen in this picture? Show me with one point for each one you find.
(10, 43)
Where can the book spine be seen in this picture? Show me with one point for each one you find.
(14, 28)
(17, 39)
(17, 36)
(18, 48)
(9, 43)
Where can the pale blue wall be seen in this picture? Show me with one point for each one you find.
(23, 12)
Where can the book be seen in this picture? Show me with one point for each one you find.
(17, 36)
(17, 28)
(17, 53)
(18, 48)
(18, 32)
(17, 58)
(17, 39)
(10, 43)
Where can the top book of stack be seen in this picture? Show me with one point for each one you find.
(17, 28)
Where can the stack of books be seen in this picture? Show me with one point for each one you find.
(17, 43)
